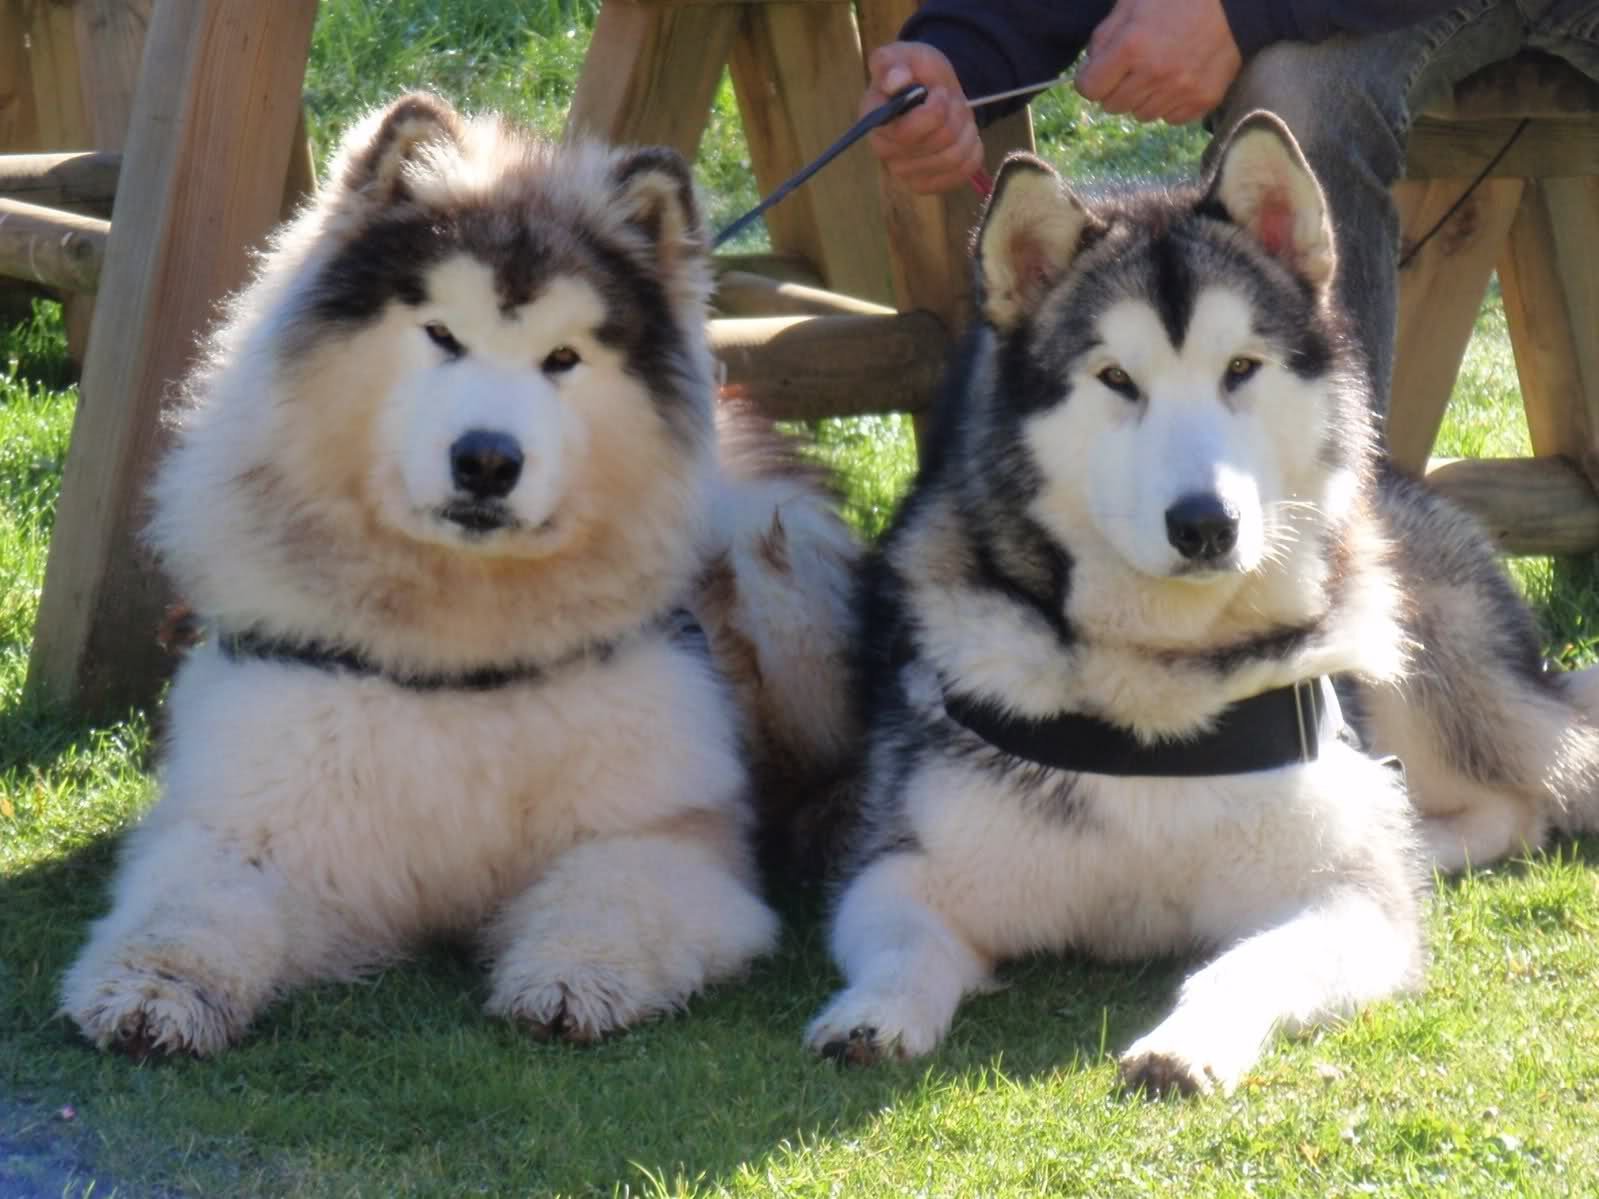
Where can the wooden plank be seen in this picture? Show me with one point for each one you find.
(19, 124)
(921, 229)
(207, 152)
(1545, 301)
(739, 293)
(789, 268)
(110, 37)
(1442, 149)
(1440, 294)
(1572, 205)
(798, 73)
(57, 80)
(651, 74)
(1530, 505)
(81, 181)
(299, 183)
(809, 367)
(61, 250)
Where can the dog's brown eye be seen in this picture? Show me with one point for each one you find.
(560, 360)
(439, 334)
(1119, 381)
(1240, 370)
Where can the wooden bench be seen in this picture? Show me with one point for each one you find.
(1535, 220)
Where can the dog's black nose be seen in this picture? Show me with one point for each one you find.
(485, 464)
(1202, 528)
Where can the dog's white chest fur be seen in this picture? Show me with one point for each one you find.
(1133, 867)
(450, 801)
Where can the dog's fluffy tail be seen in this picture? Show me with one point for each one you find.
(775, 602)
(1574, 771)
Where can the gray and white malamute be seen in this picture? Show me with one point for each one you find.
(496, 624)
(1102, 635)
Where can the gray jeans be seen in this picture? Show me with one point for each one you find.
(1349, 102)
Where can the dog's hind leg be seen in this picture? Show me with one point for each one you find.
(627, 927)
(906, 967)
(1318, 965)
(195, 944)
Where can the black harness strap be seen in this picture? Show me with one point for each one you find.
(250, 644)
(1280, 727)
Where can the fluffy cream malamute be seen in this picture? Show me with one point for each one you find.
(1102, 638)
(479, 592)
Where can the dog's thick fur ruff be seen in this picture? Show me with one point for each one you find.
(464, 419)
(1140, 358)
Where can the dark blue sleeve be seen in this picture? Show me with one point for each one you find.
(1003, 44)
(1258, 23)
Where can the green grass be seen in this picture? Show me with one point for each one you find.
(1485, 1083)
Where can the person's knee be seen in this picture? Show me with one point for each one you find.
(1338, 117)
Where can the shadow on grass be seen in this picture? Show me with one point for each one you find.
(38, 737)
(402, 1085)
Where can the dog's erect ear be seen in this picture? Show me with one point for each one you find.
(654, 191)
(1029, 236)
(1264, 184)
(375, 154)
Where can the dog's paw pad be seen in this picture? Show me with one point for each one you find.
(859, 1047)
(1159, 1074)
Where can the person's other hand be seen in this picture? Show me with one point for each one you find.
(934, 147)
(1168, 60)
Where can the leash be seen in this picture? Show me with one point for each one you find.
(897, 105)
(908, 98)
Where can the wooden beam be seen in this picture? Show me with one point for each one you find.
(739, 293)
(809, 367)
(207, 154)
(61, 250)
(83, 181)
(1548, 275)
(789, 268)
(798, 73)
(58, 92)
(299, 183)
(651, 74)
(1446, 149)
(19, 124)
(110, 39)
(1440, 294)
(1529, 505)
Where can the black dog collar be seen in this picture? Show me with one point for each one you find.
(336, 660)
(1276, 728)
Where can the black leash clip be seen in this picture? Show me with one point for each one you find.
(896, 105)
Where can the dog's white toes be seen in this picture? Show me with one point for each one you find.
(144, 1013)
(580, 1004)
(861, 1028)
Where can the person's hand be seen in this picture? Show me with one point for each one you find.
(934, 147)
(1170, 60)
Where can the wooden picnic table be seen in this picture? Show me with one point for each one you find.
(214, 142)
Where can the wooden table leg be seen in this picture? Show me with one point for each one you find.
(207, 155)
(1440, 295)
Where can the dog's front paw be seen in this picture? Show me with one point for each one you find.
(579, 1004)
(861, 1028)
(146, 1012)
(1159, 1072)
